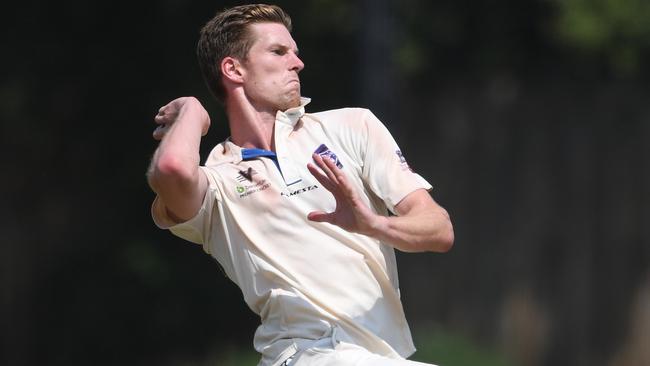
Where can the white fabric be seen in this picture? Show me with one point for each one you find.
(344, 354)
(330, 350)
(302, 277)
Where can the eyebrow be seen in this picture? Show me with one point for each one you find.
(284, 47)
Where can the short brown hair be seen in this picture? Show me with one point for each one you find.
(227, 34)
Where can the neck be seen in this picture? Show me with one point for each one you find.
(250, 127)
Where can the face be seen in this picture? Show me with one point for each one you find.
(270, 71)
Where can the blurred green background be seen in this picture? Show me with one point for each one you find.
(530, 118)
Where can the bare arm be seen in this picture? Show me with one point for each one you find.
(421, 224)
(174, 172)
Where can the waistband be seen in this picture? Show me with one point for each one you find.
(286, 349)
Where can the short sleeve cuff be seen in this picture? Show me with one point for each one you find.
(407, 186)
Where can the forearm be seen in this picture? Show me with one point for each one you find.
(427, 230)
(176, 160)
(420, 225)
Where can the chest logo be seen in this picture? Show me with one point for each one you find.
(325, 152)
(248, 185)
(298, 191)
(246, 175)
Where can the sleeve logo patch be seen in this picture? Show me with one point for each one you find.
(402, 160)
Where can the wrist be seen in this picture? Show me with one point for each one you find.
(379, 227)
(193, 109)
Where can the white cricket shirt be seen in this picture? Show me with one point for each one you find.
(304, 277)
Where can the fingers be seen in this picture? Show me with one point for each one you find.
(169, 113)
(322, 178)
(335, 176)
(160, 132)
(332, 171)
(166, 114)
(165, 117)
(163, 124)
(327, 167)
(320, 216)
(161, 120)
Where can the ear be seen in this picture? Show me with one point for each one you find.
(232, 69)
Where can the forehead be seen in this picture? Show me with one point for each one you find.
(266, 34)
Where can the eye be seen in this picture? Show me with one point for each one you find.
(279, 51)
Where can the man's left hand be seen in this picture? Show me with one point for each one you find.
(351, 213)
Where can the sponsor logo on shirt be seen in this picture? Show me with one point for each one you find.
(247, 185)
(298, 191)
(247, 190)
(246, 175)
(402, 160)
(324, 151)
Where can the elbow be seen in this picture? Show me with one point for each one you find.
(168, 169)
(444, 240)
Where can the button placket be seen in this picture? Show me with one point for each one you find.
(287, 165)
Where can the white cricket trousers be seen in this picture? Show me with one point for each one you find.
(330, 350)
(324, 353)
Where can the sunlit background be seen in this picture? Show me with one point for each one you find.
(531, 119)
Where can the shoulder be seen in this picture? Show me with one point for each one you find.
(348, 113)
(221, 154)
(343, 118)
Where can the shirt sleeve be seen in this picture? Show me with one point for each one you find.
(385, 169)
(196, 229)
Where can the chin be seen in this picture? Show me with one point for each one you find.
(292, 102)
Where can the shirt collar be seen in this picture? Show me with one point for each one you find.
(228, 152)
(225, 152)
(292, 115)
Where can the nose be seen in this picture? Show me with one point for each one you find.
(296, 63)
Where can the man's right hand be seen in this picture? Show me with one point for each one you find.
(172, 111)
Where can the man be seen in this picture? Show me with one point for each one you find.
(293, 205)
